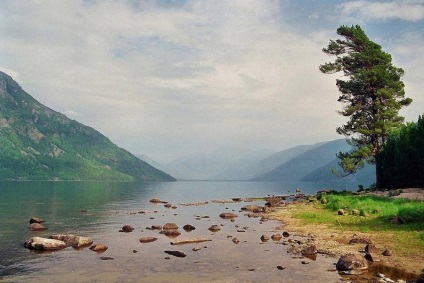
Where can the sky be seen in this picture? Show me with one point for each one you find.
(175, 78)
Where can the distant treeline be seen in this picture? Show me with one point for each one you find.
(402, 160)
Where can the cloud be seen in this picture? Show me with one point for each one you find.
(365, 11)
(166, 80)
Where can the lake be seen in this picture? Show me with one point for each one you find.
(99, 210)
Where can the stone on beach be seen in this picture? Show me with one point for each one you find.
(351, 262)
(310, 250)
(44, 244)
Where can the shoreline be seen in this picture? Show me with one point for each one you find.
(333, 239)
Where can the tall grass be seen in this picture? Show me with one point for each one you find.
(405, 211)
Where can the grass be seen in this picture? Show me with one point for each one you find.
(399, 222)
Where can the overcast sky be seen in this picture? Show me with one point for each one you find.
(171, 78)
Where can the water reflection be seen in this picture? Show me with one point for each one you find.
(99, 210)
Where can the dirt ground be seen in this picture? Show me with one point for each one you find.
(334, 240)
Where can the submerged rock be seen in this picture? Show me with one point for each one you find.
(169, 226)
(44, 244)
(37, 227)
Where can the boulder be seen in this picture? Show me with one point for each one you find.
(37, 227)
(169, 226)
(36, 220)
(351, 262)
(235, 240)
(147, 239)
(126, 228)
(72, 240)
(156, 227)
(44, 244)
(168, 205)
(99, 247)
(155, 200)
(286, 234)
(228, 215)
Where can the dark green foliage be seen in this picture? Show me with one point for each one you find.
(402, 159)
(372, 94)
(37, 143)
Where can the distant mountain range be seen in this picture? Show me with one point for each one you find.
(312, 163)
(37, 143)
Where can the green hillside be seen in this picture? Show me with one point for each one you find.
(37, 143)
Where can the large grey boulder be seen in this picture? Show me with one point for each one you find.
(73, 240)
(44, 244)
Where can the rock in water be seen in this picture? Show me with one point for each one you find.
(37, 227)
(36, 220)
(127, 228)
(147, 239)
(169, 226)
(98, 248)
(214, 228)
(351, 262)
(228, 215)
(73, 241)
(176, 253)
(310, 250)
(43, 244)
(189, 228)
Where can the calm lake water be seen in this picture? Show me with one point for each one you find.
(99, 210)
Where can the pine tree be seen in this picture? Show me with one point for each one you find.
(372, 93)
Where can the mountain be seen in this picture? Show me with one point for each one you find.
(37, 143)
(366, 175)
(220, 164)
(316, 165)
